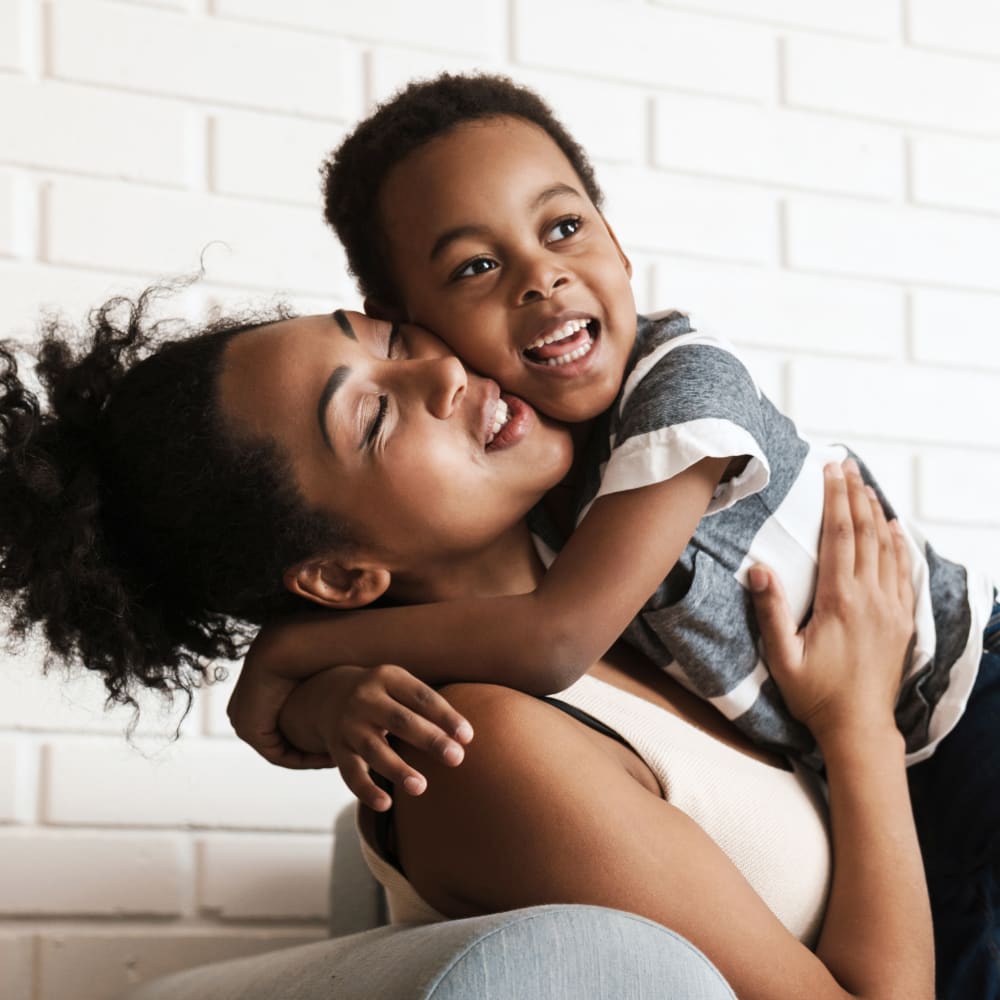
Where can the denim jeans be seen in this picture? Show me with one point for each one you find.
(956, 806)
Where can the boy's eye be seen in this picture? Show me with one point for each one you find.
(564, 228)
(480, 265)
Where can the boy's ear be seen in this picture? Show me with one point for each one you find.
(614, 239)
(379, 310)
(338, 584)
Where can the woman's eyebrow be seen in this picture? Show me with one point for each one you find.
(345, 324)
(333, 383)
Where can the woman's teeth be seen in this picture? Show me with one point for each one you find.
(500, 417)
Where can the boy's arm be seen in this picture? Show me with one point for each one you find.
(539, 642)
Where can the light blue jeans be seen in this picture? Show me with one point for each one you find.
(557, 952)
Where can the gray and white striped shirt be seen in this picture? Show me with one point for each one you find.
(686, 396)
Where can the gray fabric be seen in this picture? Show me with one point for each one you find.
(539, 953)
(700, 617)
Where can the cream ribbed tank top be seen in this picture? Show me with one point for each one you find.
(771, 823)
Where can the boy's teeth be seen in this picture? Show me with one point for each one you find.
(565, 359)
(500, 417)
(566, 330)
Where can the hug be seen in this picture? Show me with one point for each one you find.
(576, 610)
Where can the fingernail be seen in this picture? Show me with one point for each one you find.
(463, 733)
(834, 470)
(413, 785)
(758, 579)
(853, 466)
(382, 804)
(453, 755)
(872, 495)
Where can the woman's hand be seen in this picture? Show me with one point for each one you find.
(351, 711)
(841, 672)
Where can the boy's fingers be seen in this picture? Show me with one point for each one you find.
(381, 758)
(427, 703)
(406, 725)
(783, 648)
(355, 774)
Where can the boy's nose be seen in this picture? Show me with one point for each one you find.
(542, 278)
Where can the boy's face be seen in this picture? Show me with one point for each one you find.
(495, 246)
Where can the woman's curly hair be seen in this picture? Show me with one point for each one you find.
(138, 532)
(353, 174)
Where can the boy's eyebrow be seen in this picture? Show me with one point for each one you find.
(333, 383)
(456, 233)
(553, 192)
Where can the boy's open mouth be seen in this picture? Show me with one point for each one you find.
(569, 342)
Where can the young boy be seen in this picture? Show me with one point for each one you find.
(466, 208)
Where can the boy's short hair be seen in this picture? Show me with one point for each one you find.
(354, 173)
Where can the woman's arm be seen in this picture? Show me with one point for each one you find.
(840, 676)
(544, 810)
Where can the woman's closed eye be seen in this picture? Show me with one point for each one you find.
(379, 405)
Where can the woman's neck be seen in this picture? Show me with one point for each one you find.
(509, 565)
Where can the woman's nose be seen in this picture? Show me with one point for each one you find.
(445, 380)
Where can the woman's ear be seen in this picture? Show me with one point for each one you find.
(614, 239)
(335, 583)
(379, 310)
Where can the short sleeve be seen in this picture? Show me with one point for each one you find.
(688, 398)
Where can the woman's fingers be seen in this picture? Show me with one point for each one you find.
(778, 630)
(904, 567)
(887, 570)
(866, 545)
(836, 544)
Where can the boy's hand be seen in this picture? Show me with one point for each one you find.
(353, 710)
(841, 673)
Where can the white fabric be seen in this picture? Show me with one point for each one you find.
(771, 823)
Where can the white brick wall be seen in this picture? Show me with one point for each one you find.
(841, 227)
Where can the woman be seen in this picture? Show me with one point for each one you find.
(234, 470)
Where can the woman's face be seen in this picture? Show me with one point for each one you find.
(386, 431)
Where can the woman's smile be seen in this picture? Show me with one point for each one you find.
(386, 430)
